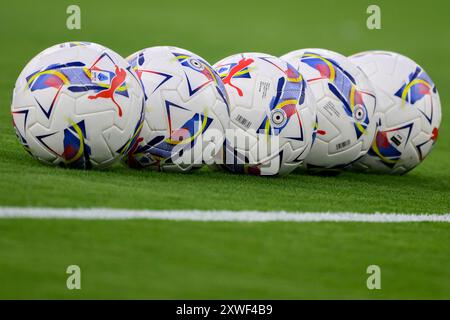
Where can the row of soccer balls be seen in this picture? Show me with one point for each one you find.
(81, 105)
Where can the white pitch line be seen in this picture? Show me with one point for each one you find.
(198, 215)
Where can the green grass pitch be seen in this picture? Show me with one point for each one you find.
(168, 259)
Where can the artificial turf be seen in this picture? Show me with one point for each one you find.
(162, 259)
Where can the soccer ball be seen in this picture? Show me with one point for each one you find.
(77, 105)
(410, 112)
(186, 110)
(345, 107)
(272, 114)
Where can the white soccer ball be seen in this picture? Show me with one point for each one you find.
(186, 110)
(410, 112)
(272, 114)
(346, 104)
(77, 105)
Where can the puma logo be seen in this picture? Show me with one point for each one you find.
(116, 82)
(242, 64)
